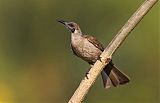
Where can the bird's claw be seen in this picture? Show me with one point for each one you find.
(87, 75)
(99, 58)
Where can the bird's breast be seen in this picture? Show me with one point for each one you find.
(85, 50)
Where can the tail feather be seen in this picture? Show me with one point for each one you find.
(112, 76)
(106, 80)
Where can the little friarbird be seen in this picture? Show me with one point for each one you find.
(89, 49)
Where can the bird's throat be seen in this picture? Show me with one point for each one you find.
(76, 38)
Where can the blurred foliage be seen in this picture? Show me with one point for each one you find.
(36, 65)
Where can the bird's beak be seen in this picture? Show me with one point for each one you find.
(66, 24)
(63, 22)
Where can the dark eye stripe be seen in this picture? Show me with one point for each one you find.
(71, 25)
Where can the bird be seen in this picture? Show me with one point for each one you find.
(89, 49)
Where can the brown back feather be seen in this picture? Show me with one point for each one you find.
(94, 41)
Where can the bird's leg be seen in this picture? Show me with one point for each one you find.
(86, 75)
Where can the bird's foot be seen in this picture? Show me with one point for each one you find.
(86, 75)
(109, 60)
(106, 61)
(99, 58)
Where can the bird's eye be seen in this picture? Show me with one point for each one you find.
(71, 25)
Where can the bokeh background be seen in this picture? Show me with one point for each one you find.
(37, 66)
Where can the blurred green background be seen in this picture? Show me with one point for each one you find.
(37, 66)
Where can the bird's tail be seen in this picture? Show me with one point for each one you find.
(112, 76)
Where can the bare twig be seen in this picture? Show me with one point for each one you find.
(86, 83)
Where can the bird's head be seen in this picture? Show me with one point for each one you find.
(73, 27)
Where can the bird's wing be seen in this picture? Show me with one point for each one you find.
(94, 41)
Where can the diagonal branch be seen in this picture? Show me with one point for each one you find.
(86, 83)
